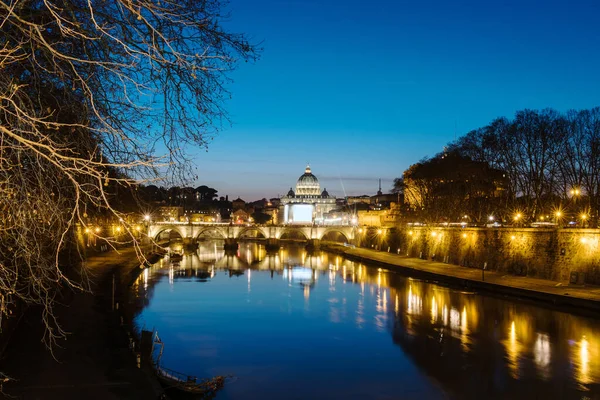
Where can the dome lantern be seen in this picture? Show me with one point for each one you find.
(308, 184)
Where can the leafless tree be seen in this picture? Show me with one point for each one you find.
(95, 93)
(579, 160)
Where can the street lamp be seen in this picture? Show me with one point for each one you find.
(583, 219)
(558, 215)
(517, 217)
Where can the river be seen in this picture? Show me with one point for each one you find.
(292, 325)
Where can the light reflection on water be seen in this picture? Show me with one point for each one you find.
(444, 342)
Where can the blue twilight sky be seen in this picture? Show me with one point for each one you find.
(363, 89)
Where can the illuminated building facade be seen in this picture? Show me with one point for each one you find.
(308, 204)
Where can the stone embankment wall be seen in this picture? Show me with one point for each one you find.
(544, 253)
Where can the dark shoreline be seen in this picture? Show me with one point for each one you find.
(95, 360)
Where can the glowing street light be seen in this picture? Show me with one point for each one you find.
(558, 214)
(517, 216)
(491, 218)
(147, 217)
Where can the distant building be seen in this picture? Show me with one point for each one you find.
(308, 204)
(238, 204)
(240, 217)
(204, 217)
(337, 217)
(364, 199)
(380, 217)
(170, 213)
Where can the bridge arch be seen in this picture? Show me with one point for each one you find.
(166, 228)
(243, 233)
(335, 235)
(212, 232)
(293, 234)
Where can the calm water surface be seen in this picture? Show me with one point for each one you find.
(298, 326)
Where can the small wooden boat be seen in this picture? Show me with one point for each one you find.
(182, 385)
(176, 381)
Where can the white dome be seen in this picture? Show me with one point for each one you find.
(308, 184)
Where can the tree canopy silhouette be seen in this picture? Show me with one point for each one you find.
(94, 94)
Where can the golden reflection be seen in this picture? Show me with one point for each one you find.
(541, 354)
(454, 319)
(585, 355)
(381, 308)
(421, 308)
(434, 310)
(445, 314)
(513, 350)
(146, 272)
(415, 303)
(465, 340)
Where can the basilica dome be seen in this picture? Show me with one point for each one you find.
(308, 184)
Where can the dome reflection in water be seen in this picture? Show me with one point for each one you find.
(296, 325)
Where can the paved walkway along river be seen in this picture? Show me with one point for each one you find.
(580, 296)
(94, 362)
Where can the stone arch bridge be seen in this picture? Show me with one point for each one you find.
(233, 233)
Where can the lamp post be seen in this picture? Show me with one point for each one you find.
(583, 220)
(558, 215)
(517, 218)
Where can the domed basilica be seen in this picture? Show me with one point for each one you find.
(308, 204)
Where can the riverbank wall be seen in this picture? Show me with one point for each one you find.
(583, 299)
(561, 255)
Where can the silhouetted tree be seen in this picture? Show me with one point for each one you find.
(90, 87)
(548, 158)
(261, 217)
(206, 194)
(450, 186)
